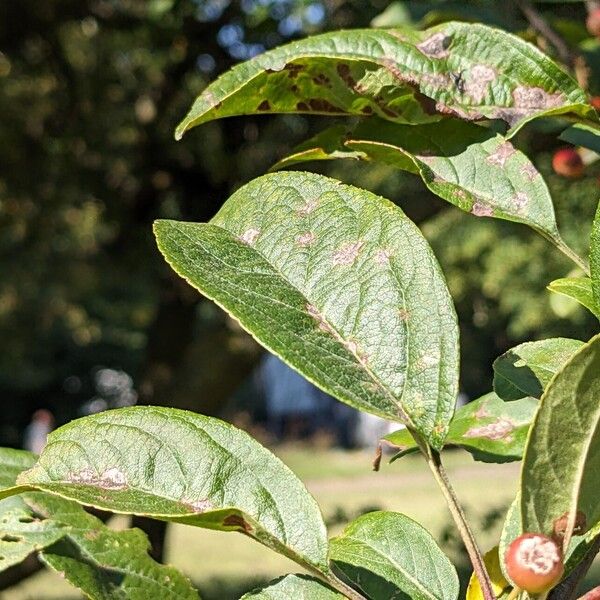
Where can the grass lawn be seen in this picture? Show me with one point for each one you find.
(223, 565)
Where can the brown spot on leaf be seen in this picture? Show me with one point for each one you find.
(535, 98)
(343, 71)
(520, 200)
(11, 538)
(366, 110)
(480, 209)
(295, 89)
(436, 80)
(382, 256)
(110, 479)
(560, 524)
(302, 106)
(322, 105)
(91, 535)
(389, 112)
(264, 105)
(403, 314)
(293, 70)
(481, 413)
(499, 430)
(348, 253)
(314, 312)
(501, 155)
(321, 79)
(200, 506)
(475, 84)
(308, 207)
(239, 522)
(436, 46)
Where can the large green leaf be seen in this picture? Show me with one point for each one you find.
(469, 166)
(577, 288)
(179, 466)
(489, 428)
(561, 466)
(407, 76)
(527, 369)
(296, 587)
(340, 284)
(387, 555)
(595, 259)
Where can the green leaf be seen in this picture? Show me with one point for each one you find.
(179, 466)
(340, 284)
(469, 70)
(562, 460)
(105, 564)
(387, 555)
(577, 288)
(469, 166)
(12, 463)
(527, 369)
(296, 587)
(595, 259)
(489, 428)
(23, 532)
(582, 134)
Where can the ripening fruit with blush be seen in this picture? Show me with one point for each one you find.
(568, 163)
(534, 563)
(593, 22)
(595, 102)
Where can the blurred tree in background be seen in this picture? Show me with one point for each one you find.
(90, 93)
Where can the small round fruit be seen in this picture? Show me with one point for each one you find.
(595, 102)
(534, 563)
(568, 163)
(593, 22)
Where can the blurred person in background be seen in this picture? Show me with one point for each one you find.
(36, 433)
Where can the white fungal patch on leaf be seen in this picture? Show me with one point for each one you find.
(480, 209)
(200, 506)
(436, 80)
(529, 171)
(521, 200)
(305, 239)
(348, 253)
(478, 81)
(308, 207)
(382, 256)
(249, 236)
(436, 46)
(499, 430)
(110, 479)
(501, 155)
(535, 98)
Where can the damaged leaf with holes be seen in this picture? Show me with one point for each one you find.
(472, 167)
(178, 466)
(331, 278)
(464, 69)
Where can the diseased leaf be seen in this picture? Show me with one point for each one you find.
(105, 564)
(179, 466)
(577, 288)
(527, 369)
(296, 587)
(387, 555)
(471, 167)
(340, 284)
(489, 428)
(13, 462)
(561, 465)
(403, 75)
(595, 260)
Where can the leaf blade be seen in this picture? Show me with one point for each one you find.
(274, 260)
(563, 453)
(471, 70)
(299, 587)
(578, 289)
(595, 259)
(138, 461)
(389, 555)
